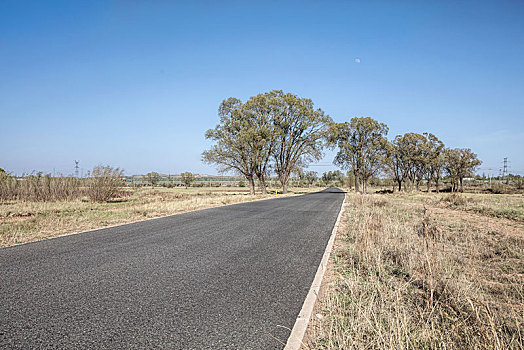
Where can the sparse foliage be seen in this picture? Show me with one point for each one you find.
(187, 178)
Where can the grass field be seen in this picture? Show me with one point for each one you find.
(432, 271)
(22, 221)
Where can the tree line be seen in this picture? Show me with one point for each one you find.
(283, 133)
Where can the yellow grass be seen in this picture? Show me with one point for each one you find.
(22, 222)
(426, 271)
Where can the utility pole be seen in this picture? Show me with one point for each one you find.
(505, 171)
(76, 167)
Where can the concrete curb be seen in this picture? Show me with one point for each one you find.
(294, 342)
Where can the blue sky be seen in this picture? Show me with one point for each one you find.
(135, 84)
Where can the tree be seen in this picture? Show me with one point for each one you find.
(326, 178)
(350, 179)
(187, 178)
(300, 130)
(273, 126)
(395, 162)
(362, 147)
(333, 176)
(435, 160)
(153, 178)
(459, 163)
(260, 112)
(232, 150)
(311, 177)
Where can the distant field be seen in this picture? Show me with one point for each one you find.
(22, 221)
(418, 270)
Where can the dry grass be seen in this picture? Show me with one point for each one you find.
(27, 221)
(415, 272)
(503, 206)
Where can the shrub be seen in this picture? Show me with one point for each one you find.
(104, 183)
(456, 200)
(39, 187)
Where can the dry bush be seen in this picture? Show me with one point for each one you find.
(104, 184)
(39, 187)
(405, 282)
(456, 200)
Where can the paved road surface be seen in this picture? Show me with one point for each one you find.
(226, 278)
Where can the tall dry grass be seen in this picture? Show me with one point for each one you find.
(39, 187)
(404, 280)
(103, 185)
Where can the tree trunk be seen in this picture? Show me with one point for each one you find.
(461, 186)
(399, 185)
(428, 184)
(262, 181)
(251, 182)
(284, 180)
(356, 183)
(284, 187)
(437, 185)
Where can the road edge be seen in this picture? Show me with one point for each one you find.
(147, 219)
(294, 342)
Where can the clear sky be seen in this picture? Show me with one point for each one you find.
(135, 84)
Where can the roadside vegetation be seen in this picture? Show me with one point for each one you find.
(418, 270)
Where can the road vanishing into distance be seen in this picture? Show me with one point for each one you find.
(232, 277)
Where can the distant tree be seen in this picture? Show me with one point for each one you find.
(310, 177)
(187, 178)
(232, 149)
(300, 130)
(395, 162)
(326, 177)
(333, 176)
(362, 147)
(413, 153)
(434, 160)
(460, 163)
(153, 178)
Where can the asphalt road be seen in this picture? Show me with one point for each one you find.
(233, 277)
